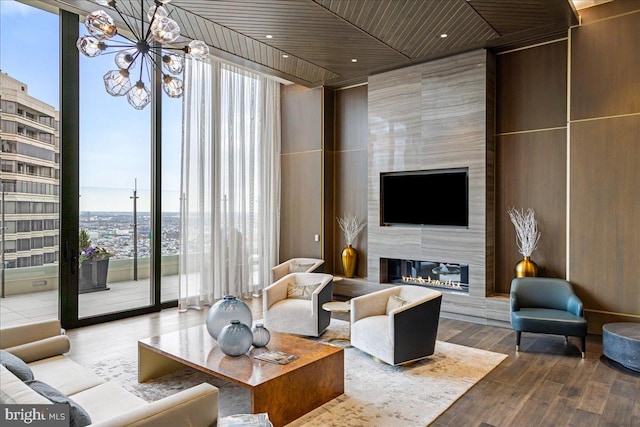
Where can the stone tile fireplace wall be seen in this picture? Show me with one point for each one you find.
(435, 115)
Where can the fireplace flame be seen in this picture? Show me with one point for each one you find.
(429, 281)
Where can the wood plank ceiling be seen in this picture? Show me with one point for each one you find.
(314, 41)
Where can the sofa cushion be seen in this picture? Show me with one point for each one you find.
(106, 400)
(371, 335)
(302, 291)
(292, 316)
(41, 349)
(395, 302)
(295, 267)
(550, 321)
(78, 417)
(16, 366)
(16, 390)
(64, 374)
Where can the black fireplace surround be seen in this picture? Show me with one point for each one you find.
(442, 276)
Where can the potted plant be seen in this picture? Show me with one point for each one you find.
(527, 237)
(93, 265)
(351, 226)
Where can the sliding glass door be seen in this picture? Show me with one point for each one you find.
(114, 202)
(112, 216)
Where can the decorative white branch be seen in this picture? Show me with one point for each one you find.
(527, 234)
(351, 226)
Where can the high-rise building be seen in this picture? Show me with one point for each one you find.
(29, 177)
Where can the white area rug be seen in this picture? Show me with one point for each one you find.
(375, 394)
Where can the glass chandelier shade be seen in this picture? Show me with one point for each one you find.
(117, 82)
(139, 95)
(90, 46)
(148, 51)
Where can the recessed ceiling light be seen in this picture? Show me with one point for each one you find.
(354, 60)
(285, 56)
(269, 36)
(443, 35)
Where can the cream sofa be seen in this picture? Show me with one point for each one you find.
(41, 345)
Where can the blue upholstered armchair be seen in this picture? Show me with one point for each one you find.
(548, 306)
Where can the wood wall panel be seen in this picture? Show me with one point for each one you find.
(605, 60)
(327, 236)
(328, 119)
(301, 119)
(490, 176)
(351, 197)
(301, 209)
(351, 119)
(605, 200)
(610, 9)
(351, 170)
(531, 91)
(531, 173)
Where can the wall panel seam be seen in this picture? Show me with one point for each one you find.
(521, 132)
(605, 117)
(614, 313)
(531, 46)
(301, 152)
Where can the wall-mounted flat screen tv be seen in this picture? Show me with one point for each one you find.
(427, 198)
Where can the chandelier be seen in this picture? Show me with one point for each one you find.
(137, 58)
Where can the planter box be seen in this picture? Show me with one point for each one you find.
(93, 275)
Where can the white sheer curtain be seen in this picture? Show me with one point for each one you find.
(230, 183)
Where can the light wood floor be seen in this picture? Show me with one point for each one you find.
(545, 384)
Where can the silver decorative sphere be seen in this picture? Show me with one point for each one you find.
(224, 311)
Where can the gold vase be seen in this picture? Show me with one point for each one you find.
(526, 268)
(349, 261)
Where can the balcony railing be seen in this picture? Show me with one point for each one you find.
(23, 280)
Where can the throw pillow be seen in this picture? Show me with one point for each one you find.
(395, 302)
(16, 366)
(78, 417)
(299, 268)
(301, 291)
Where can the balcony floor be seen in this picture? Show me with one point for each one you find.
(25, 308)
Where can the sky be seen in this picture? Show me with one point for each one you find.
(114, 137)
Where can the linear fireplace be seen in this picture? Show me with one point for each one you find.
(433, 274)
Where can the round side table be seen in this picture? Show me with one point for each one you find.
(621, 343)
(339, 307)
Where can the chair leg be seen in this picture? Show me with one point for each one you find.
(518, 335)
(566, 340)
(583, 343)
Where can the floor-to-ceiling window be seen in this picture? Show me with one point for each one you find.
(29, 176)
(110, 172)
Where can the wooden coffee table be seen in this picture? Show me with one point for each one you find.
(285, 392)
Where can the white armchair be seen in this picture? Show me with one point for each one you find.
(293, 304)
(396, 325)
(295, 265)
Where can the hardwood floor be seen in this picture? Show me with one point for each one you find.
(545, 384)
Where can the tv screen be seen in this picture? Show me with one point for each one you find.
(430, 197)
